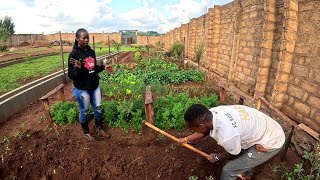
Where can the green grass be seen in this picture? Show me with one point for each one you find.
(14, 76)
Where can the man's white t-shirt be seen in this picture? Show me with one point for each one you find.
(237, 127)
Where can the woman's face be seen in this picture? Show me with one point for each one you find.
(83, 39)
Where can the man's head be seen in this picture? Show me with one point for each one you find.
(198, 118)
(82, 37)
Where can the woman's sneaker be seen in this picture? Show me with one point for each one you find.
(89, 137)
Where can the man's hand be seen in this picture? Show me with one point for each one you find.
(181, 140)
(76, 63)
(108, 68)
(213, 157)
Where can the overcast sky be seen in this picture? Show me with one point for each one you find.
(51, 16)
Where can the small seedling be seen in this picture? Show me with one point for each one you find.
(192, 177)
(42, 118)
(160, 137)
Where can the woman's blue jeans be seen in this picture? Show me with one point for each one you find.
(84, 99)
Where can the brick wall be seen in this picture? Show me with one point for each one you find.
(269, 47)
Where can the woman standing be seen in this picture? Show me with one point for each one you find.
(83, 70)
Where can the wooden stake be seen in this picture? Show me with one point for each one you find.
(259, 104)
(287, 144)
(93, 44)
(62, 58)
(222, 95)
(148, 104)
(176, 139)
(310, 131)
(283, 116)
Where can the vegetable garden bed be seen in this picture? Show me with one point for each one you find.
(31, 149)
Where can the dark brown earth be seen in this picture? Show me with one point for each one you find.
(32, 149)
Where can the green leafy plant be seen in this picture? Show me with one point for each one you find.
(159, 45)
(137, 56)
(64, 112)
(192, 177)
(308, 170)
(169, 109)
(117, 46)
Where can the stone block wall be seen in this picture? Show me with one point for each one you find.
(266, 47)
(17, 39)
(302, 98)
(145, 39)
(98, 37)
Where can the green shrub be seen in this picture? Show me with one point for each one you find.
(176, 50)
(308, 170)
(64, 112)
(117, 46)
(3, 48)
(137, 56)
(199, 50)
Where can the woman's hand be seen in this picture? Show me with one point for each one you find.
(76, 63)
(108, 68)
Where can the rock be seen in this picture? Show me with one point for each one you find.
(115, 169)
(171, 171)
(177, 165)
(200, 160)
(202, 173)
(163, 168)
(85, 162)
(107, 158)
(12, 49)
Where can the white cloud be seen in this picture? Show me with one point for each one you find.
(51, 16)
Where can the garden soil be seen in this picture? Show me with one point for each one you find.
(32, 149)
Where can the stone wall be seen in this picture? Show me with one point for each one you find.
(148, 39)
(17, 39)
(266, 47)
(302, 99)
(98, 37)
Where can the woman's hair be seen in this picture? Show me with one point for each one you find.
(197, 114)
(78, 32)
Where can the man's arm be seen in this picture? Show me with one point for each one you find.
(192, 137)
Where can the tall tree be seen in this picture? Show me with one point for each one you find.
(6, 29)
(8, 24)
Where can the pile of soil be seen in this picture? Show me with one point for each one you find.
(40, 44)
(24, 44)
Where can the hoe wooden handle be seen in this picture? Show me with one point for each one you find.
(176, 139)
